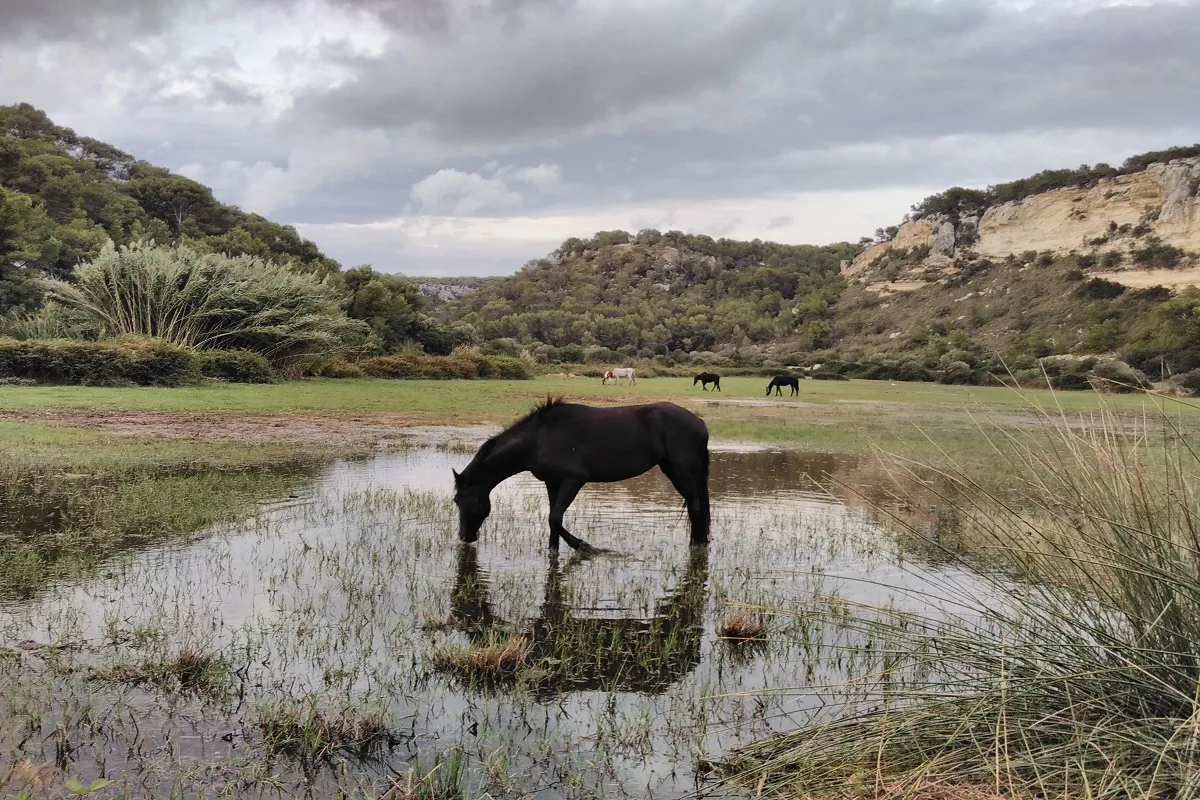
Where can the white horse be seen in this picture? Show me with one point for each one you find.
(620, 372)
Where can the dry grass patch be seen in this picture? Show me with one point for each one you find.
(745, 626)
(496, 659)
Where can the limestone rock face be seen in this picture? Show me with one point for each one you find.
(941, 243)
(1179, 180)
(1061, 220)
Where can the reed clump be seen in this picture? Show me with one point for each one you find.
(1070, 666)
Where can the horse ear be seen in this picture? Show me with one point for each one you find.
(457, 476)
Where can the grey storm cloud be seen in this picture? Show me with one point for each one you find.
(56, 19)
(817, 72)
(662, 102)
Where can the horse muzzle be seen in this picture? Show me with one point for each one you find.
(468, 529)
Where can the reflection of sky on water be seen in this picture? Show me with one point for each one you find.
(328, 594)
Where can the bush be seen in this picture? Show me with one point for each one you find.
(115, 362)
(1071, 381)
(1117, 376)
(235, 366)
(338, 368)
(956, 372)
(1157, 255)
(208, 302)
(461, 365)
(1099, 289)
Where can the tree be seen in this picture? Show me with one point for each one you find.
(27, 248)
(395, 310)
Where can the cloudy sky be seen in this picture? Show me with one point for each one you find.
(468, 136)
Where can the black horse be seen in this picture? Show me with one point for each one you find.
(585, 652)
(566, 445)
(784, 380)
(705, 378)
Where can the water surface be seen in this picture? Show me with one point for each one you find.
(351, 591)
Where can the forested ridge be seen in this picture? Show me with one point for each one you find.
(661, 293)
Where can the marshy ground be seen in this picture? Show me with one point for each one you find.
(226, 610)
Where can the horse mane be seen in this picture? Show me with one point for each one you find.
(535, 414)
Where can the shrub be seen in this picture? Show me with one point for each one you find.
(235, 366)
(338, 368)
(956, 372)
(1072, 381)
(461, 365)
(1099, 289)
(1117, 376)
(208, 301)
(1157, 255)
(1190, 380)
(115, 362)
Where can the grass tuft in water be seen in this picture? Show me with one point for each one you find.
(191, 670)
(493, 660)
(744, 626)
(441, 781)
(312, 734)
(1073, 672)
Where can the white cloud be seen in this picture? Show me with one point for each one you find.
(263, 187)
(451, 191)
(462, 192)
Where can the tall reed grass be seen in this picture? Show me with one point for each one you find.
(208, 301)
(1072, 668)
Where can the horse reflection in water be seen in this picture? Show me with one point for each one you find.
(644, 655)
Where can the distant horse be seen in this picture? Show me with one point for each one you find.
(784, 380)
(566, 445)
(705, 378)
(620, 372)
(608, 376)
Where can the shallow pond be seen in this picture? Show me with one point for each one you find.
(355, 639)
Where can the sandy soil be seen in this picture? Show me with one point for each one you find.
(1144, 278)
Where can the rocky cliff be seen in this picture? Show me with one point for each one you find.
(1141, 229)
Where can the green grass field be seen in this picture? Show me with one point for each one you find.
(839, 416)
(457, 400)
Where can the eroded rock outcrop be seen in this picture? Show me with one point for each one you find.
(1162, 201)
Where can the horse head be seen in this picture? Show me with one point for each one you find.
(474, 505)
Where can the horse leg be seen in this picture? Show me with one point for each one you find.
(552, 489)
(565, 495)
(692, 485)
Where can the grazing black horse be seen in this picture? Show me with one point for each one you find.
(566, 445)
(705, 378)
(784, 380)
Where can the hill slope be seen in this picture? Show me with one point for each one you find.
(1095, 261)
(660, 293)
(1103, 266)
(62, 196)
